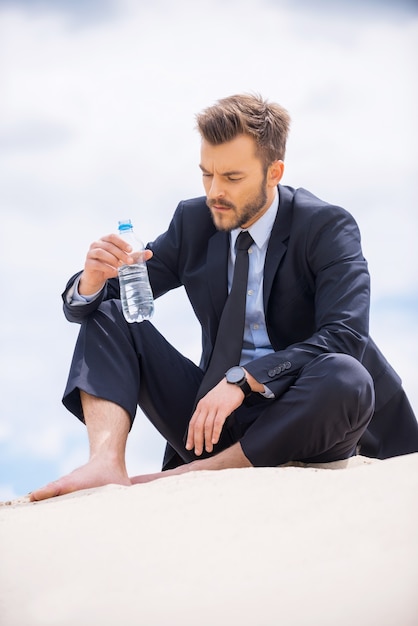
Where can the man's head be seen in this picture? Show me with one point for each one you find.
(266, 122)
(243, 146)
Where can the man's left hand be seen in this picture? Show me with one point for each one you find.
(211, 412)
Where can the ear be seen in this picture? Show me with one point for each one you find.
(275, 173)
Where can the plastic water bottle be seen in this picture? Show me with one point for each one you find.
(135, 289)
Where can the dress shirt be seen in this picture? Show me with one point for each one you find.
(256, 341)
(76, 299)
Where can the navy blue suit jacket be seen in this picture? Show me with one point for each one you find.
(316, 299)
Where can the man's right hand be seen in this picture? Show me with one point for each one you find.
(103, 259)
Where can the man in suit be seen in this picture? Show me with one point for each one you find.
(307, 382)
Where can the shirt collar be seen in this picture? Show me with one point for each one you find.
(261, 229)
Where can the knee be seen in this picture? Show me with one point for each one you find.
(111, 311)
(108, 317)
(343, 377)
(106, 323)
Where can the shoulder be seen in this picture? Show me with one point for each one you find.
(305, 201)
(311, 226)
(194, 214)
(190, 225)
(193, 207)
(304, 214)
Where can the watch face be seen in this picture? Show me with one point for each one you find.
(235, 375)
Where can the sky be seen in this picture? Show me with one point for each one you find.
(97, 123)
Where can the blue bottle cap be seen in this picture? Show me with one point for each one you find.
(124, 225)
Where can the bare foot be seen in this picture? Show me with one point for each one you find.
(147, 478)
(231, 457)
(96, 473)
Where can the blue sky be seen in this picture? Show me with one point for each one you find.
(97, 123)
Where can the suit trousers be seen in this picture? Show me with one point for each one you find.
(319, 419)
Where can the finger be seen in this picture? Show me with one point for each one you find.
(123, 251)
(198, 433)
(117, 241)
(208, 430)
(201, 423)
(107, 253)
(190, 431)
(218, 425)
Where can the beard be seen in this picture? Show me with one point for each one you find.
(236, 217)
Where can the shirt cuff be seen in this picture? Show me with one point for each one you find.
(267, 393)
(75, 299)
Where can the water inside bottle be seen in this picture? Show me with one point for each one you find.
(135, 292)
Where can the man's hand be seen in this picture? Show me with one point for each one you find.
(207, 421)
(103, 259)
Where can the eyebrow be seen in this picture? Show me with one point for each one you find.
(230, 173)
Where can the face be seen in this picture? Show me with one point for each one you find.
(238, 189)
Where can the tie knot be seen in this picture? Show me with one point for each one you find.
(244, 240)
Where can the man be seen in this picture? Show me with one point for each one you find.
(303, 381)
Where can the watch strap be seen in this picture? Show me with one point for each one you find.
(245, 387)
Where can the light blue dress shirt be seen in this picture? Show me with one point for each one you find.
(256, 341)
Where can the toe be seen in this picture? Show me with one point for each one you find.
(49, 491)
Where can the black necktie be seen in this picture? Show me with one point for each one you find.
(228, 344)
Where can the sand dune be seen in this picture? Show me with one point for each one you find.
(289, 546)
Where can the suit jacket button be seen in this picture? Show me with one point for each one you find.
(287, 365)
(272, 373)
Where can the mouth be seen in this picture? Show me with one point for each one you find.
(222, 208)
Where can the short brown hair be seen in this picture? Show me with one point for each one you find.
(246, 114)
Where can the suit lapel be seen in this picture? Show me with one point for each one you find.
(217, 270)
(278, 241)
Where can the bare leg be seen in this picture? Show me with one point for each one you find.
(107, 427)
(230, 458)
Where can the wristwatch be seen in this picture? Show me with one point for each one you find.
(236, 376)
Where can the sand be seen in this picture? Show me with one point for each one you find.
(290, 546)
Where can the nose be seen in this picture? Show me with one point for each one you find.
(216, 189)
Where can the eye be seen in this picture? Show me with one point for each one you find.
(234, 179)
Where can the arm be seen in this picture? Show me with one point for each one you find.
(103, 259)
(328, 311)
